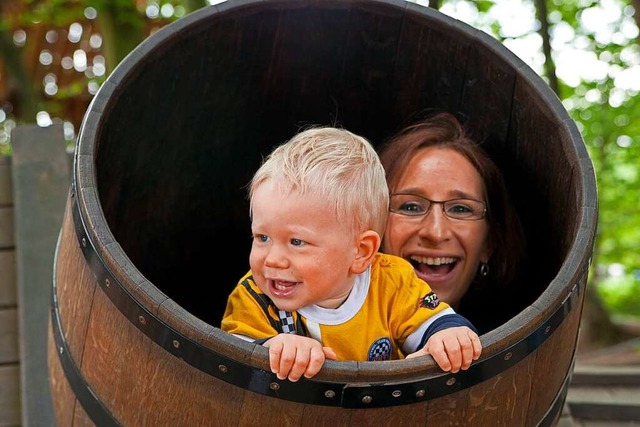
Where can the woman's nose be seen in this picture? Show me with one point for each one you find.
(434, 225)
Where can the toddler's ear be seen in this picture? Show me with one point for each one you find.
(367, 246)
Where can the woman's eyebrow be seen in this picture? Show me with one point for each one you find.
(453, 194)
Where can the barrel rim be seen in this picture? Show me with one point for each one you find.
(99, 235)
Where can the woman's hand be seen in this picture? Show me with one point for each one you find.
(452, 348)
(292, 356)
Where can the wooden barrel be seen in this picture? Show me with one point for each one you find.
(156, 231)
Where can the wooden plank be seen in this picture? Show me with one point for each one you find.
(8, 297)
(624, 353)
(427, 71)
(606, 375)
(610, 395)
(6, 194)
(40, 187)
(605, 411)
(6, 210)
(9, 395)
(9, 336)
(605, 393)
(6, 227)
(9, 355)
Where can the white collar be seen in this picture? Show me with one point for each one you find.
(348, 309)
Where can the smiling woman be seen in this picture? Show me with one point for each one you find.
(149, 248)
(469, 247)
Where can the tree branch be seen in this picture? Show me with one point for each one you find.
(549, 65)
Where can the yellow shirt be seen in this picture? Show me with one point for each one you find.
(385, 316)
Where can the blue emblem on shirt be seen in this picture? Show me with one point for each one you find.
(380, 350)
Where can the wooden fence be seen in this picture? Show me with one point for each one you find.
(34, 184)
(9, 354)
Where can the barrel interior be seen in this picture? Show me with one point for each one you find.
(189, 123)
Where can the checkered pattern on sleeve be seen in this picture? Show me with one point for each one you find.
(287, 322)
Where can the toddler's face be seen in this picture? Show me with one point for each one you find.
(300, 254)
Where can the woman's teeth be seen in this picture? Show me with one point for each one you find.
(433, 261)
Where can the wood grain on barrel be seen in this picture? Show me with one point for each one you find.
(75, 291)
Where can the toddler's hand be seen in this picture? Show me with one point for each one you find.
(452, 349)
(292, 356)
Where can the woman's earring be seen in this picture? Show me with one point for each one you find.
(484, 269)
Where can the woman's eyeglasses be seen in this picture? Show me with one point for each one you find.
(459, 209)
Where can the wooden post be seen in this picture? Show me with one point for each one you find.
(40, 188)
(9, 355)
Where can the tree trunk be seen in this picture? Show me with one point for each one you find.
(20, 86)
(636, 6)
(122, 29)
(549, 64)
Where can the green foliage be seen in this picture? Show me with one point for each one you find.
(484, 5)
(123, 12)
(53, 12)
(608, 117)
(5, 130)
(570, 11)
(622, 294)
(122, 25)
(612, 135)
